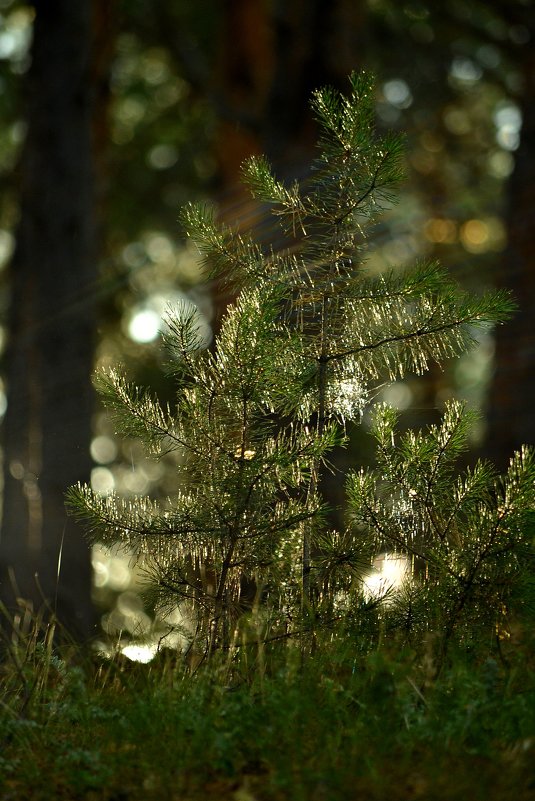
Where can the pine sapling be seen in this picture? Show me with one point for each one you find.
(310, 335)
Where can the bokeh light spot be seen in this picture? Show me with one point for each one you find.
(465, 70)
(102, 480)
(144, 326)
(140, 653)
(501, 164)
(161, 157)
(103, 449)
(398, 395)
(508, 122)
(391, 571)
(7, 243)
(398, 93)
(441, 230)
(475, 236)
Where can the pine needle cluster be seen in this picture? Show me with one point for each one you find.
(300, 351)
(468, 535)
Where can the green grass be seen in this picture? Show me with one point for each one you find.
(338, 725)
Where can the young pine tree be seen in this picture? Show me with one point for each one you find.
(310, 335)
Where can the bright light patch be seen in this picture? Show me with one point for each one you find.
(397, 93)
(7, 244)
(247, 454)
(475, 236)
(135, 481)
(181, 309)
(501, 164)
(3, 400)
(16, 34)
(508, 137)
(137, 623)
(154, 68)
(110, 570)
(103, 449)
(390, 572)
(144, 326)
(465, 70)
(347, 398)
(400, 250)
(130, 111)
(102, 480)
(159, 247)
(100, 574)
(146, 320)
(134, 254)
(398, 395)
(508, 122)
(129, 603)
(438, 229)
(140, 653)
(479, 236)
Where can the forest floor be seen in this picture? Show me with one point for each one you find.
(334, 727)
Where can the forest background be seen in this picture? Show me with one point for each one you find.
(115, 114)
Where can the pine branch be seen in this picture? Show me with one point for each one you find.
(225, 253)
(139, 416)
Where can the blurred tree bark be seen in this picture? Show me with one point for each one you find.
(511, 410)
(47, 428)
(271, 57)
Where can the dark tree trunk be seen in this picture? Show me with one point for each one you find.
(511, 413)
(47, 427)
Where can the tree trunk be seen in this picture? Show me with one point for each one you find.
(511, 414)
(47, 427)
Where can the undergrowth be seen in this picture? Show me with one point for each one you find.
(268, 724)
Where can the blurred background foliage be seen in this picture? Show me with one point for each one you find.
(186, 90)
